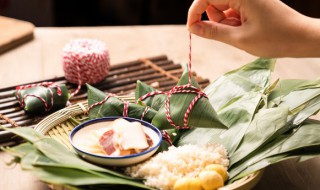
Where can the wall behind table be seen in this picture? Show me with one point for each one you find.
(115, 12)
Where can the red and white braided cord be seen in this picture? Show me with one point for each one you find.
(85, 61)
(190, 58)
(125, 108)
(144, 112)
(166, 136)
(149, 94)
(101, 102)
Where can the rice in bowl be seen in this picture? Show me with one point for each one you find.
(163, 170)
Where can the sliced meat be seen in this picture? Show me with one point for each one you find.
(149, 141)
(107, 143)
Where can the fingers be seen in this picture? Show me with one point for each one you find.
(195, 11)
(215, 14)
(199, 6)
(231, 21)
(222, 19)
(231, 13)
(213, 30)
(228, 17)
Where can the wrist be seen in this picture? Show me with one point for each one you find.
(312, 37)
(307, 42)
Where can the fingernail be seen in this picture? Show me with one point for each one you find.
(196, 28)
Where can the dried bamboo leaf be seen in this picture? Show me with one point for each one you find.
(309, 108)
(290, 86)
(284, 87)
(301, 141)
(300, 97)
(258, 153)
(254, 76)
(266, 124)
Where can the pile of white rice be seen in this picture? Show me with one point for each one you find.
(162, 170)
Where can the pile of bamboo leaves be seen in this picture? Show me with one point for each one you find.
(267, 122)
(259, 121)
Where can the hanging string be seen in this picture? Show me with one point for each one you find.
(190, 59)
(188, 88)
(79, 81)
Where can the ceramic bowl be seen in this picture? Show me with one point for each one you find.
(116, 160)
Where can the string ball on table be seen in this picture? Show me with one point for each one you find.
(85, 61)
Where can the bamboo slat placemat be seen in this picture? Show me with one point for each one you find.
(158, 71)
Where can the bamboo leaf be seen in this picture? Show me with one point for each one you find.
(26, 133)
(142, 89)
(76, 177)
(266, 124)
(57, 152)
(284, 87)
(28, 161)
(301, 138)
(297, 98)
(309, 108)
(254, 76)
(20, 150)
(301, 141)
(289, 86)
(309, 84)
(258, 166)
(200, 136)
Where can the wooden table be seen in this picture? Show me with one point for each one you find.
(41, 59)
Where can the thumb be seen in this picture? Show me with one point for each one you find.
(213, 30)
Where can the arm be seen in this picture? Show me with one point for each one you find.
(263, 28)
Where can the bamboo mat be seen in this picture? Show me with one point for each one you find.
(158, 71)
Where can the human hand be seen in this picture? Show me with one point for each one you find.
(262, 28)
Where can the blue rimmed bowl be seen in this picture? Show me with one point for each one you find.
(82, 129)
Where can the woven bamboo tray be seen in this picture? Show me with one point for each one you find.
(59, 125)
(158, 70)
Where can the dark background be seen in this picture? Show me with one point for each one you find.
(115, 12)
